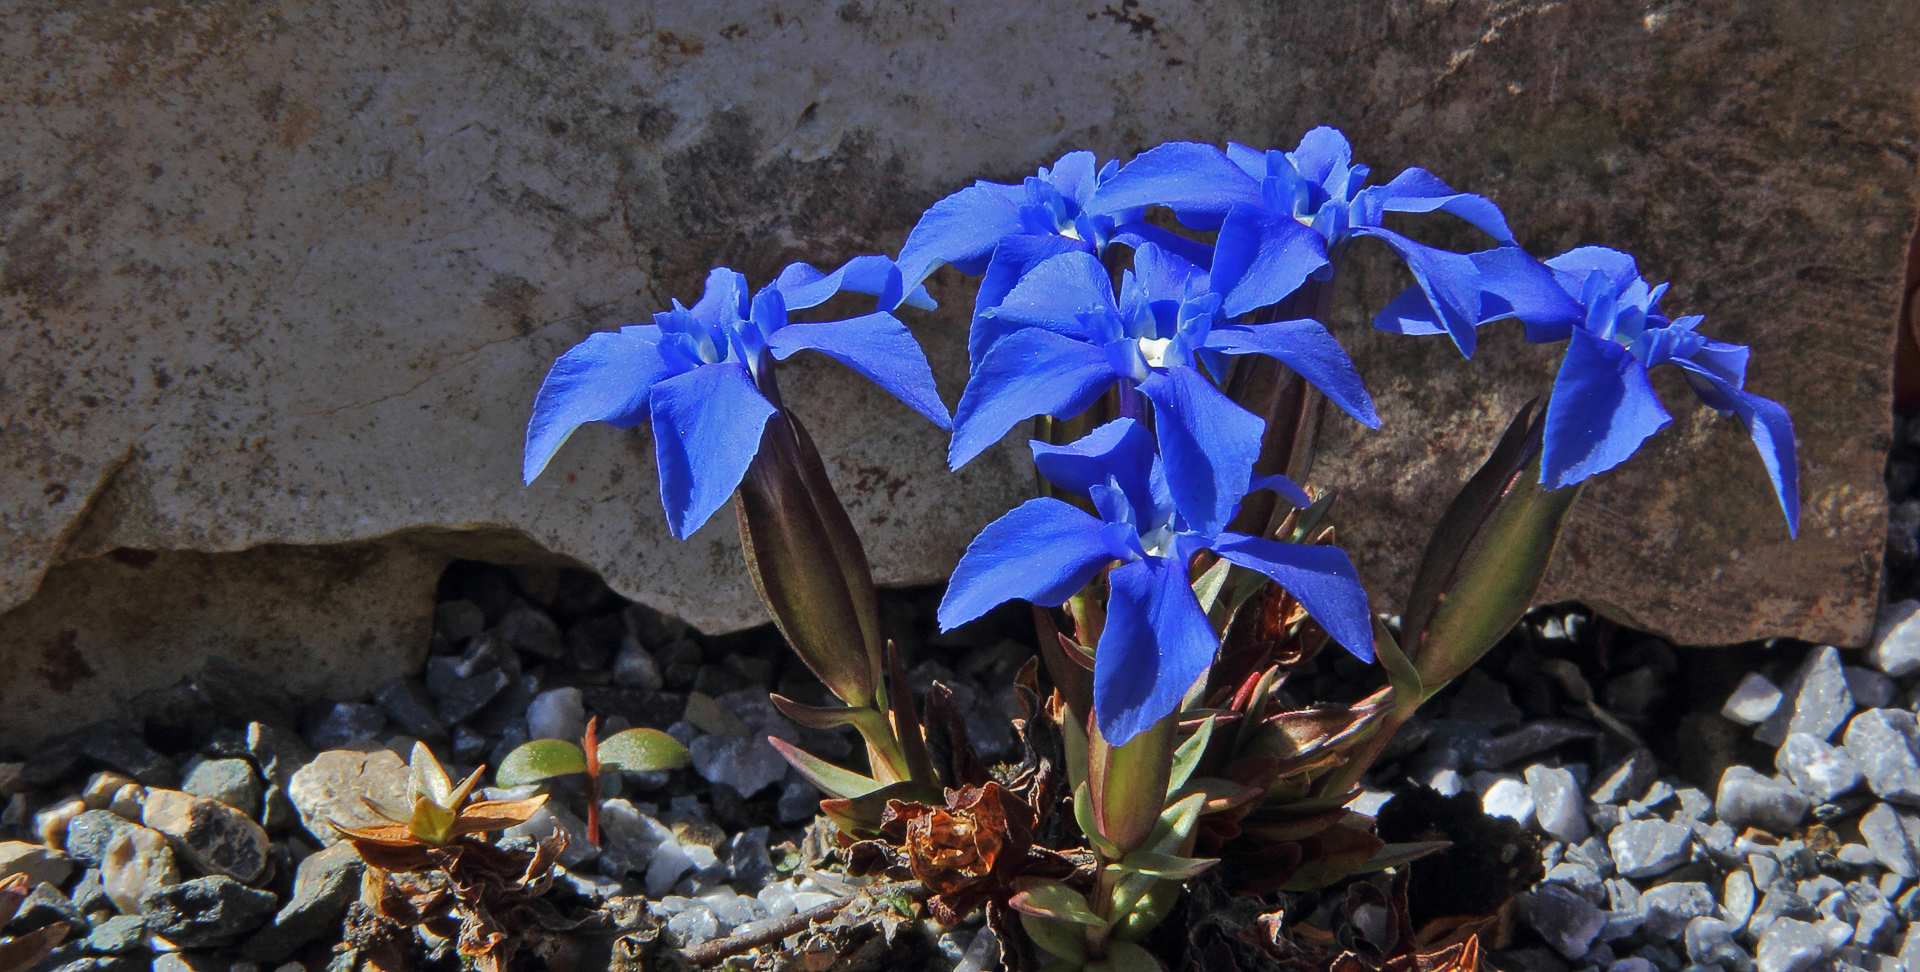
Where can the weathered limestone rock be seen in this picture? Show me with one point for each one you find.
(263, 281)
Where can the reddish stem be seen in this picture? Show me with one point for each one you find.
(590, 746)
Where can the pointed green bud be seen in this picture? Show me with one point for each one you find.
(1486, 559)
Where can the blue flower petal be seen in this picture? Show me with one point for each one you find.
(605, 378)
(1164, 274)
(1320, 577)
(1411, 312)
(1287, 488)
(803, 286)
(1602, 409)
(1027, 373)
(1574, 265)
(1194, 179)
(1767, 423)
(1137, 234)
(1015, 257)
(1261, 256)
(1074, 176)
(1772, 431)
(1042, 551)
(725, 302)
(876, 345)
(1208, 443)
(1322, 152)
(1053, 293)
(1122, 450)
(706, 431)
(1418, 191)
(1514, 284)
(961, 229)
(1449, 281)
(1156, 644)
(1306, 347)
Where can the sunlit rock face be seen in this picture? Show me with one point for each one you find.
(290, 273)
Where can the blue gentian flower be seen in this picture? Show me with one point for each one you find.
(1004, 231)
(1157, 640)
(1283, 217)
(1456, 293)
(1603, 405)
(698, 375)
(1060, 340)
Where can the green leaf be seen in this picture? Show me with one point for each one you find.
(431, 822)
(426, 777)
(1408, 690)
(541, 759)
(640, 751)
(860, 816)
(1207, 589)
(831, 779)
(1187, 758)
(1062, 939)
(1051, 899)
(1165, 866)
(1176, 824)
(1123, 956)
(1394, 855)
(1083, 815)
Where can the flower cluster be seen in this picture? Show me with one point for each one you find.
(1086, 305)
(1166, 321)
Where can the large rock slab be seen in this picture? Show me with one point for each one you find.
(267, 281)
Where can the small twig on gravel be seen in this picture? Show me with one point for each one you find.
(721, 948)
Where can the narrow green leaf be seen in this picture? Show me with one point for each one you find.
(860, 816)
(1187, 757)
(1394, 855)
(541, 759)
(1401, 673)
(641, 751)
(1051, 899)
(1209, 586)
(1176, 824)
(1165, 866)
(831, 779)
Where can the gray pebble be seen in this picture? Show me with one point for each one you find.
(1791, 946)
(1567, 920)
(1738, 897)
(1817, 700)
(406, 702)
(1647, 848)
(1748, 799)
(1710, 942)
(206, 912)
(1670, 907)
(230, 781)
(1822, 771)
(1896, 639)
(528, 629)
(1871, 689)
(1557, 803)
(1753, 701)
(1882, 743)
(347, 722)
(1627, 779)
(1876, 927)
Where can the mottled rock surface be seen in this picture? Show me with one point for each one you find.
(265, 281)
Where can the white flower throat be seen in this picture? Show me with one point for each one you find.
(1155, 351)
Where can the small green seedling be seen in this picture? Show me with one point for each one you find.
(631, 751)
